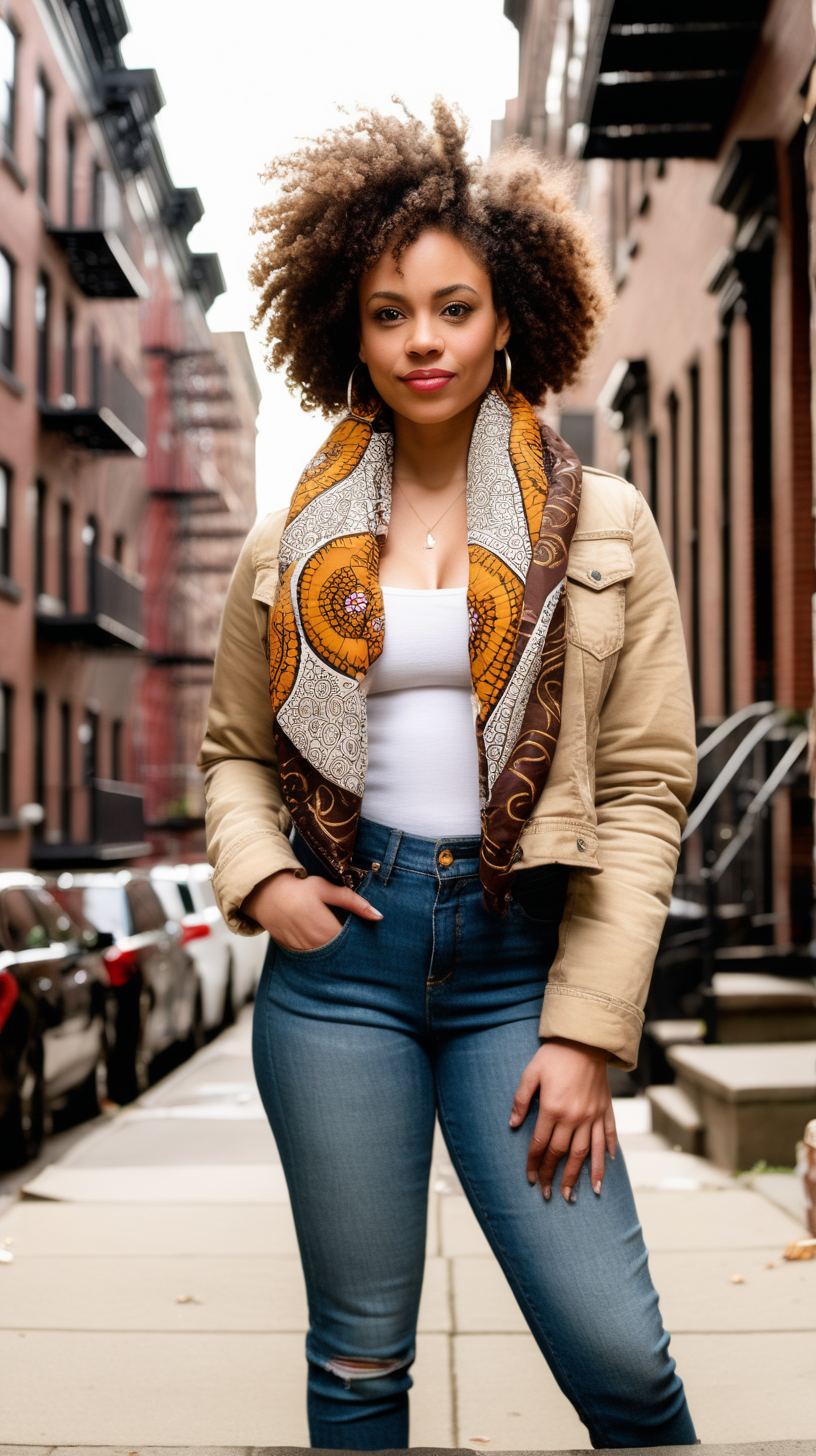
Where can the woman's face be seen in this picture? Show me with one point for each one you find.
(429, 332)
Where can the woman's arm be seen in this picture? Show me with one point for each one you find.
(247, 823)
(645, 771)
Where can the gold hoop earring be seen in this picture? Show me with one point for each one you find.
(508, 372)
(361, 418)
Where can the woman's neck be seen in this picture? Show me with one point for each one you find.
(433, 457)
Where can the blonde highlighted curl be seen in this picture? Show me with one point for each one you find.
(378, 182)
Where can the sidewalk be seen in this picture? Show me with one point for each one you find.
(156, 1299)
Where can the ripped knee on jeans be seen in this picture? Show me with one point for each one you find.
(365, 1368)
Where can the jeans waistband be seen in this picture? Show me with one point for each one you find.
(448, 858)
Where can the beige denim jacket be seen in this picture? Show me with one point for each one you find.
(614, 803)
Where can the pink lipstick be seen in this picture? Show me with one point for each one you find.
(426, 381)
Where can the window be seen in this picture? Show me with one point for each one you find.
(117, 745)
(68, 380)
(39, 540)
(674, 466)
(5, 521)
(6, 312)
(42, 105)
(23, 928)
(65, 771)
(90, 746)
(96, 370)
(694, 443)
(40, 710)
(97, 185)
(65, 554)
(42, 309)
(8, 72)
(654, 457)
(70, 173)
(6, 746)
(144, 907)
(119, 548)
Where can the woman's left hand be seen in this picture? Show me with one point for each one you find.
(575, 1113)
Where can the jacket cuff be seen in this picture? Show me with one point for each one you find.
(253, 859)
(601, 1021)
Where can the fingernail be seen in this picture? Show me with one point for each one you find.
(376, 913)
(598, 1186)
(568, 1194)
(547, 1191)
(573, 1196)
(531, 1179)
(514, 1119)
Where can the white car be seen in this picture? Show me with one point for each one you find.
(229, 965)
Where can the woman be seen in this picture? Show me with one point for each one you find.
(443, 564)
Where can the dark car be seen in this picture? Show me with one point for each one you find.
(155, 995)
(53, 987)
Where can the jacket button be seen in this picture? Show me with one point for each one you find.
(596, 575)
(445, 858)
(581, 845)
(375, 865)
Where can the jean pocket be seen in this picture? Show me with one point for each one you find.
(330, 946)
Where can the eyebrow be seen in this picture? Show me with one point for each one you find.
(440, 292)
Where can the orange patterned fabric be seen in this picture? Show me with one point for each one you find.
(328, 624)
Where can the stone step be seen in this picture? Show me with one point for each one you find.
(676, 1117)
(754, 1100)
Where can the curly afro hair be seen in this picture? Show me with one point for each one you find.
(378, 182)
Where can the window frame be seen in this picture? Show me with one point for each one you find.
(6, 518)
(6, 748)
(8, 330)
(42, 138)
(8, 124)
(43, 327)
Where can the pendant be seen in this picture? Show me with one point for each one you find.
(430, 542)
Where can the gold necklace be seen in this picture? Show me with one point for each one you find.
(429, 540)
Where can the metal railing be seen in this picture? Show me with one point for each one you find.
(114, 593)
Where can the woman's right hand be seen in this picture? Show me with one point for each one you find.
(296, 911)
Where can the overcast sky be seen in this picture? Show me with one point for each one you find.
(244, 80)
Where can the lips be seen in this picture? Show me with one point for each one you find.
(426, 381)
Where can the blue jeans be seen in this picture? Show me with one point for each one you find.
(358, 1045)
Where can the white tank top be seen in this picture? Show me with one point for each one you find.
(423, 766)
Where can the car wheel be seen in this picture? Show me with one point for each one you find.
(22, 1126)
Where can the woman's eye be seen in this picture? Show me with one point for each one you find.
(388, 315)
(456, 310)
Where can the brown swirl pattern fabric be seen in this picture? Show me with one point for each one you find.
(327, 625)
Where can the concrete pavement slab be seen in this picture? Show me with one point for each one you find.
(182, 1390)
(459, 1229)
(101, 1230)
(758, 1448)
(786, 1190)
(726, 1218)
(240, 1293)
(751, 1387)
(207, 1183)
(482, 1299)
(136, 1142)
(668, 1170)
(697, 1293)
(505, 1392)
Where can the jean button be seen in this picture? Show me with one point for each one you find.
(445, 858)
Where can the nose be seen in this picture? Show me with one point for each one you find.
(425, 338)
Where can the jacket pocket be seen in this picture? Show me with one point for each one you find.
(599, 566)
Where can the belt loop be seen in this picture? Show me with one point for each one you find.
(394, 840)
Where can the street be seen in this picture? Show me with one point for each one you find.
(156, 1280)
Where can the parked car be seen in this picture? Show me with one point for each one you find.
(155, 988)
(53, 987)
(245, 953)
(208, 948)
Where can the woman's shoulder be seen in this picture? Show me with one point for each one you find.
(263, 541)
(609, 504)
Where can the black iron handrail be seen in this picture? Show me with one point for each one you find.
(726, 775)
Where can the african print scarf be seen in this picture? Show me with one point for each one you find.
(328, 624)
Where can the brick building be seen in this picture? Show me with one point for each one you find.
(102, 331)
(691, 127)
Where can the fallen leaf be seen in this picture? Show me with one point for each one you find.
(483, 1440)
(737, 1279)
(801, 1249)
(187, 1299)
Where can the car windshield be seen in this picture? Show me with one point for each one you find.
(23, 927)
(105, 906)
(172, 901)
